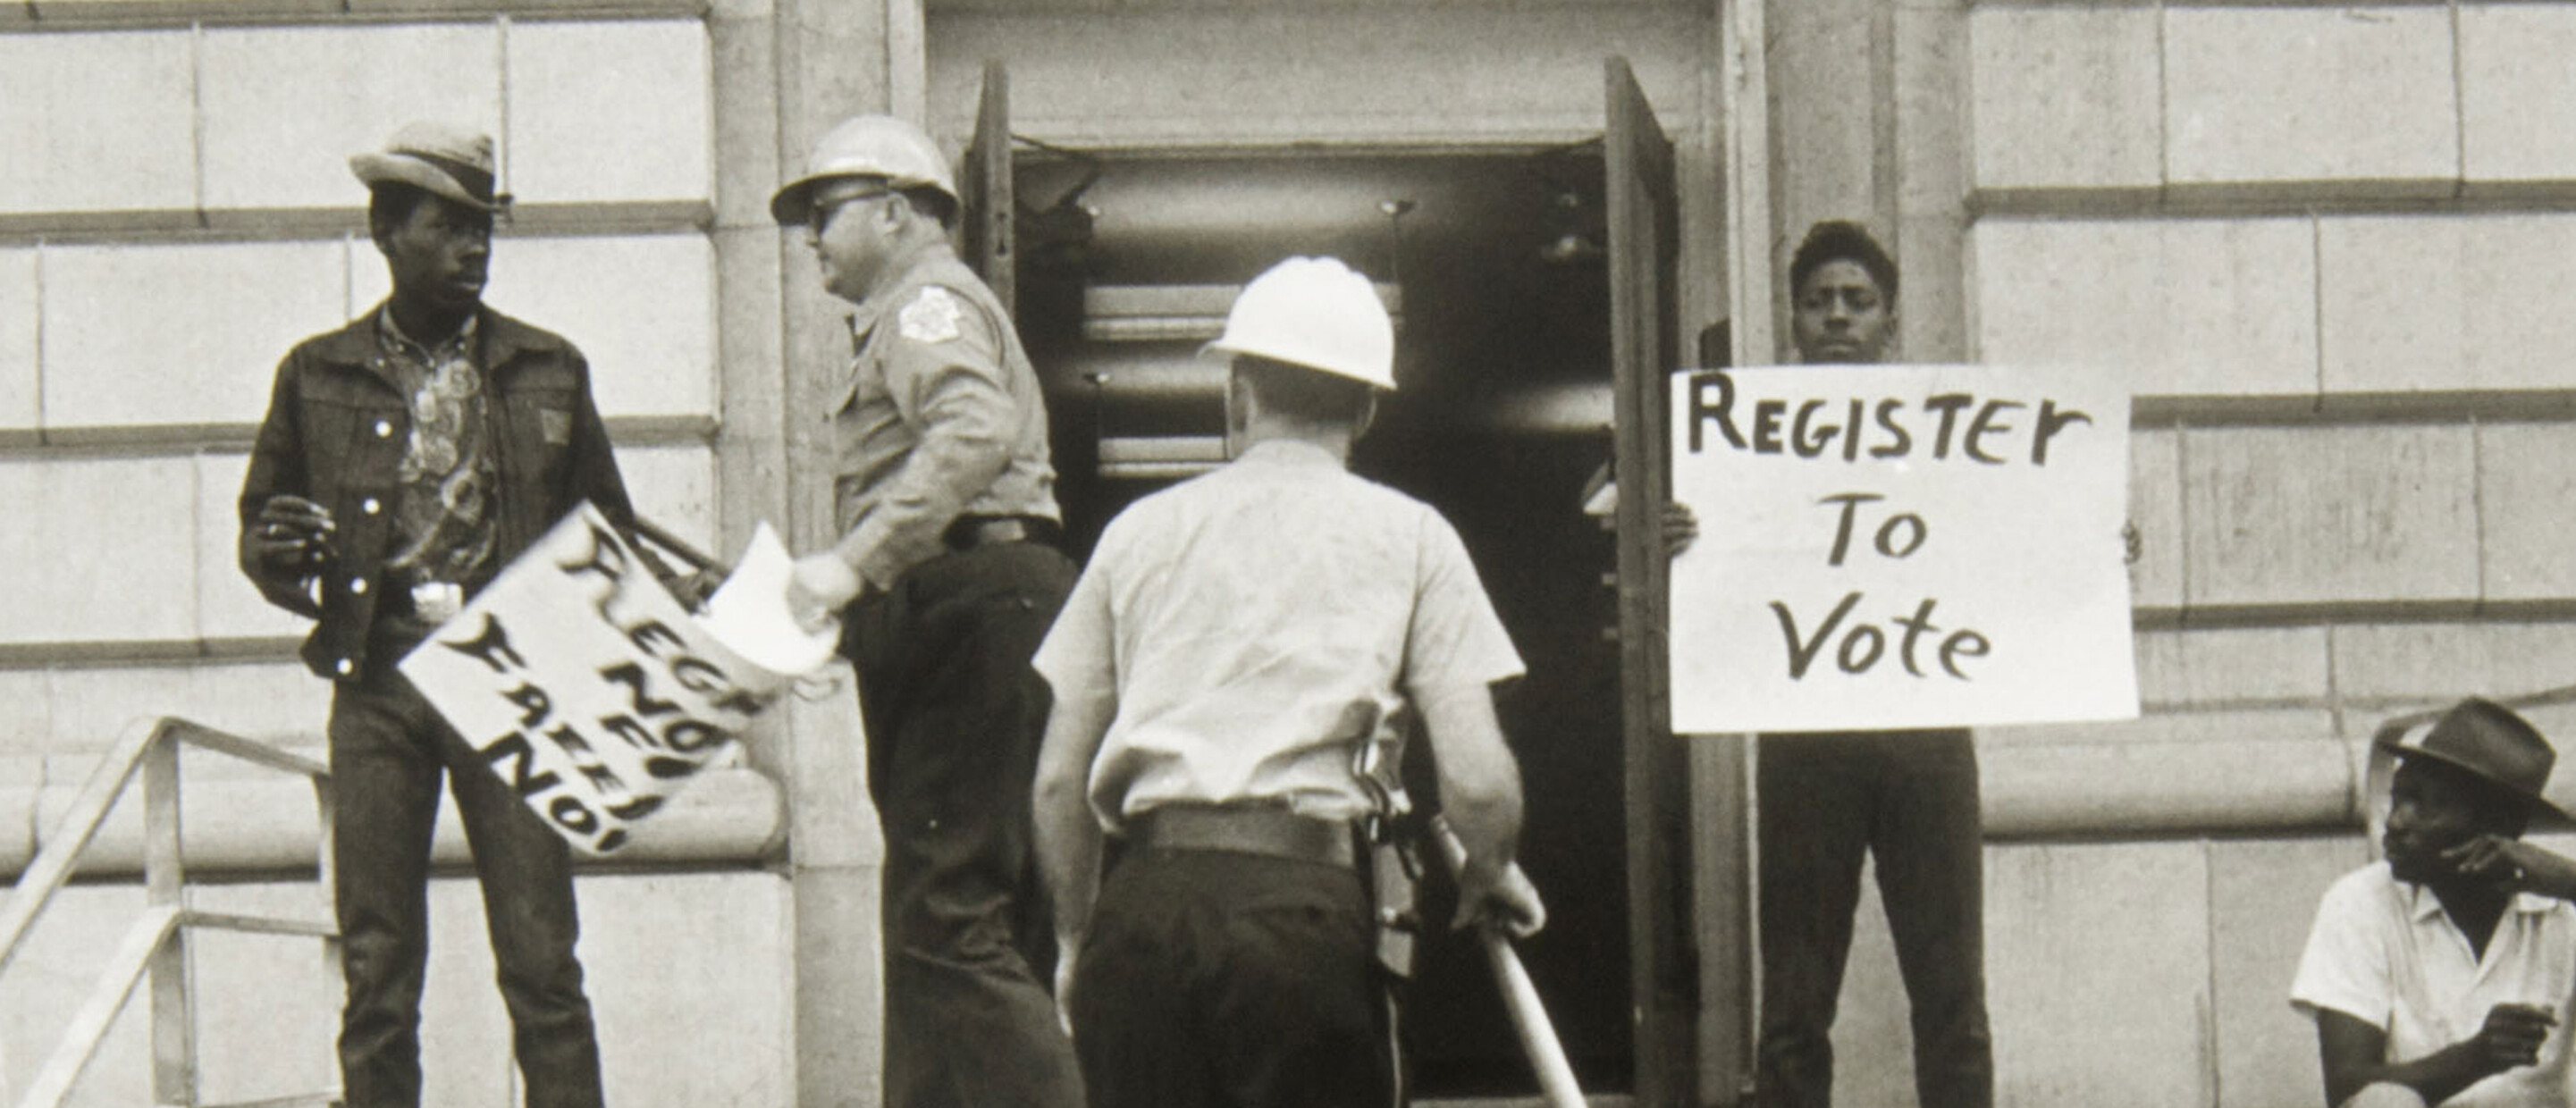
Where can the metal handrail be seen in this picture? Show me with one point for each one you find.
(156, 946)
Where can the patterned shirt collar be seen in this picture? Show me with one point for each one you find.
(391, 332)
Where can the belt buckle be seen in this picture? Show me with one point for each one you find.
(437, 601)
(995, 531)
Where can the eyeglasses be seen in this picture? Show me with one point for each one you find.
(821, 213)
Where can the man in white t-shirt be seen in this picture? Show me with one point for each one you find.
(2445, 974)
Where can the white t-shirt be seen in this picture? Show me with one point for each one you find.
(1256, 623)
(2383, 952)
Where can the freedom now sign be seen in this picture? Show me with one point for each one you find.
(1900, 546)
(585, 685)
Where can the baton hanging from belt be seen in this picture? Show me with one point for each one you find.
(1520, 997)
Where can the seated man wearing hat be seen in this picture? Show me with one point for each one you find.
(2443, 974)
(405, 459)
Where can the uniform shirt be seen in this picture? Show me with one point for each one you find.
(2384, 952)
(941, 415)
(1256, 624)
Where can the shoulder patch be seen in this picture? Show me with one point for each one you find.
(931, 317)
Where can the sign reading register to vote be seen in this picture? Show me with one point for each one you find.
(1900, 546)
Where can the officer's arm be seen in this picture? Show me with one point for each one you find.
(952, 389)
(1078, 662)
(1480, 793)
(1068, 839)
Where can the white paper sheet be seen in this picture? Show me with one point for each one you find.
(748, 613)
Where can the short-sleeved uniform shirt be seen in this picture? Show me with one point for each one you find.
(1255, 624)
(941, 415)
(2384, 952)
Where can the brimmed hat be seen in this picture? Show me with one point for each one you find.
(2488, 740)
(448, 160)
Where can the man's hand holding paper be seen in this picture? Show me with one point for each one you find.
(756, 614)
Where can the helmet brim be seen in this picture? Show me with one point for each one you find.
(1220, 351)
(793, 203)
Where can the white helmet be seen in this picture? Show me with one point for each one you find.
(1316, 313)
(866, 146)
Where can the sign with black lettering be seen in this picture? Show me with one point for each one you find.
(1900, 546)
(585, 685)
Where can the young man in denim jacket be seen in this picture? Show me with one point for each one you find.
(405, 459)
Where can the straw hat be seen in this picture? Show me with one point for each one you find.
(444, 159)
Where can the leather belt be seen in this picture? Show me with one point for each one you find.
(969, 532)
(986, 532)
(1245, 829)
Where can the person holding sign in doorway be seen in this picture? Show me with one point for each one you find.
(944, 579)
(1238, 646)
(2446, 973)
(1906, 799)
(405, 459)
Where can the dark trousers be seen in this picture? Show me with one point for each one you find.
(1910, 799)
(1221, 980)
(388, 751)
(954, 715)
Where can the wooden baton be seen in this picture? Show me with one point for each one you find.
(1520, 997)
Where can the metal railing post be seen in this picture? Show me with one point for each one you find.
(174, 1050)
(326, 871)
(54, 859)
(156, 946)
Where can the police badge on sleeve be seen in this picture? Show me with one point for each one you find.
(931, 317)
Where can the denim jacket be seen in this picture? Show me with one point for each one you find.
(335, 432)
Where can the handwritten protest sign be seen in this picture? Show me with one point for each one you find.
(1900, 546)
(586, 685)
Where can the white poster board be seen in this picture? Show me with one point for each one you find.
(586, 686)
(1900, 546)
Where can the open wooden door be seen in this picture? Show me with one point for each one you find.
(984, 180)
(1643, 246)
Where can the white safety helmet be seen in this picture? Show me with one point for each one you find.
(866, 146)
(1316, 313)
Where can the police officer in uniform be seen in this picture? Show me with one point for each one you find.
(1235, 641)
(944, 578)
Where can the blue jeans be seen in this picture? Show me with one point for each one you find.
(389, 750)
(954, 714)
(1908, 798)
